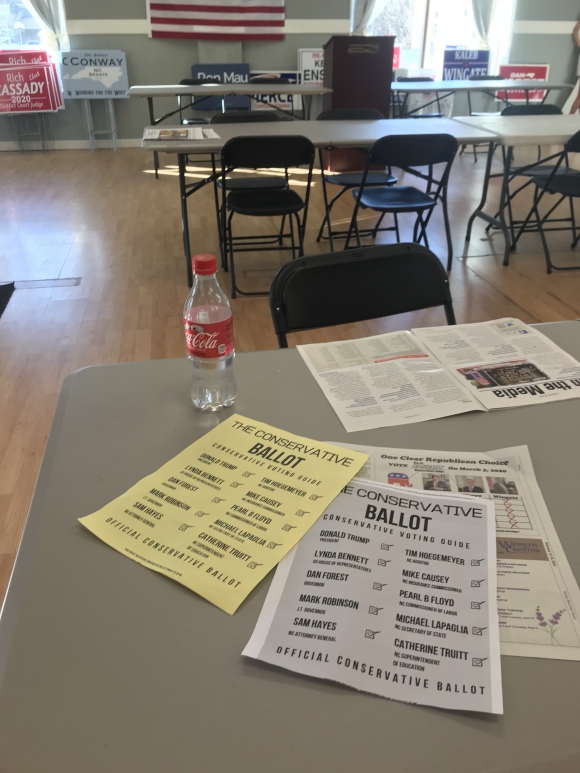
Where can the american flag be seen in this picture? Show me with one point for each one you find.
(218, 19)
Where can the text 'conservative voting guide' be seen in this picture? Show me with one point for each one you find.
(392, 593)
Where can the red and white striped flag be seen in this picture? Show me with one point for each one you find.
(218, 19)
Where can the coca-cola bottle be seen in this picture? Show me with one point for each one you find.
(209, 336)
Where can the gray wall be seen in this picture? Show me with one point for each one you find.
(559, 51)
(158, 61)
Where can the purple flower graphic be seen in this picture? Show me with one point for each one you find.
(553, 622)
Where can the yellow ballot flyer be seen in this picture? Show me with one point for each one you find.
(222, 513)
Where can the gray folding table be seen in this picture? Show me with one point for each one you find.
(323, 134)
(106, 666)
(212, 89)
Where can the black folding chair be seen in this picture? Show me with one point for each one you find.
(245, 182)
(407, 153)
(264, 153)
(565, 186)
(354, 285)
(346, 180)
(402, 106)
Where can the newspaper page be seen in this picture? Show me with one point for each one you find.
(538, 596)
(189, 133)
(504, 362)
(391, 592)
(385, 380)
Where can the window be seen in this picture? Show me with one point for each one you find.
(424, 28)
(18, 27)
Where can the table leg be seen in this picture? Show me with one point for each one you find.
(155, 153)
(503, 201)
(479, 209)
(181, 161)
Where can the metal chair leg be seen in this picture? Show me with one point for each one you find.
(300, 236)
(231, 256)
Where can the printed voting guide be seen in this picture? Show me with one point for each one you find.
(222, 513)
(392, 593)
(427, 373)
(538, 599)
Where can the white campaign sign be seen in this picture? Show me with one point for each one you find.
(311, 65)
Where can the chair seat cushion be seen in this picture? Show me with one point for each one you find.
(251, 183)
(264, 202)
(565, 184)
(399, 198)
(354, 179)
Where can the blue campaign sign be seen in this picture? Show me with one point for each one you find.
(222, 73)
(459, 64)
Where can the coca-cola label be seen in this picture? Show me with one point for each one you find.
(209, 339)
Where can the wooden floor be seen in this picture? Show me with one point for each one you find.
(103, 218)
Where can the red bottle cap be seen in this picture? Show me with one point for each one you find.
(204, 264)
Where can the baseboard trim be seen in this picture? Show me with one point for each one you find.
(73, 145)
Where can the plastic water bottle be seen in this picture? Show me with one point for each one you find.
(209, 335)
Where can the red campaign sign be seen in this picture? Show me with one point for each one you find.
(15, 58)
(27, 88)
(396, 57)
(524, 72)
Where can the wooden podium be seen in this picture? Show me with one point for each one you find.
(359, 70)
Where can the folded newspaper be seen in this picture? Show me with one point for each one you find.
(185, 133)
(427, 373)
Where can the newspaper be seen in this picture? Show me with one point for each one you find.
(189, 133)
(427, 373)
(505, 362)
(391, 592)
(538, 598)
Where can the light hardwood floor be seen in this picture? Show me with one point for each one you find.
(103, 217)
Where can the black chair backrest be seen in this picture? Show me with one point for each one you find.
(531, 110)
(404, 150)
(573, 144)
(270, 151)
(351, 114)
(192, 81)
(268, 116)
(269, 80)
(366, 283)
(486, 78)
(414, 80)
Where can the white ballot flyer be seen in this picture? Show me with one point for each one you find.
(428, 373)
(391, 592)
(538, 597)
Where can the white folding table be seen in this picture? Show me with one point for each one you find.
(323, 134)
(212, 89)
(443, 89)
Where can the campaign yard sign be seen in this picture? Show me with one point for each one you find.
(28, 83)
(222, 73)
(459, 64)
(311, 65)
(523, 72)
(94, 75)
(277, 101)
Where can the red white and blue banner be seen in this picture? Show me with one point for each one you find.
(218, 19)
